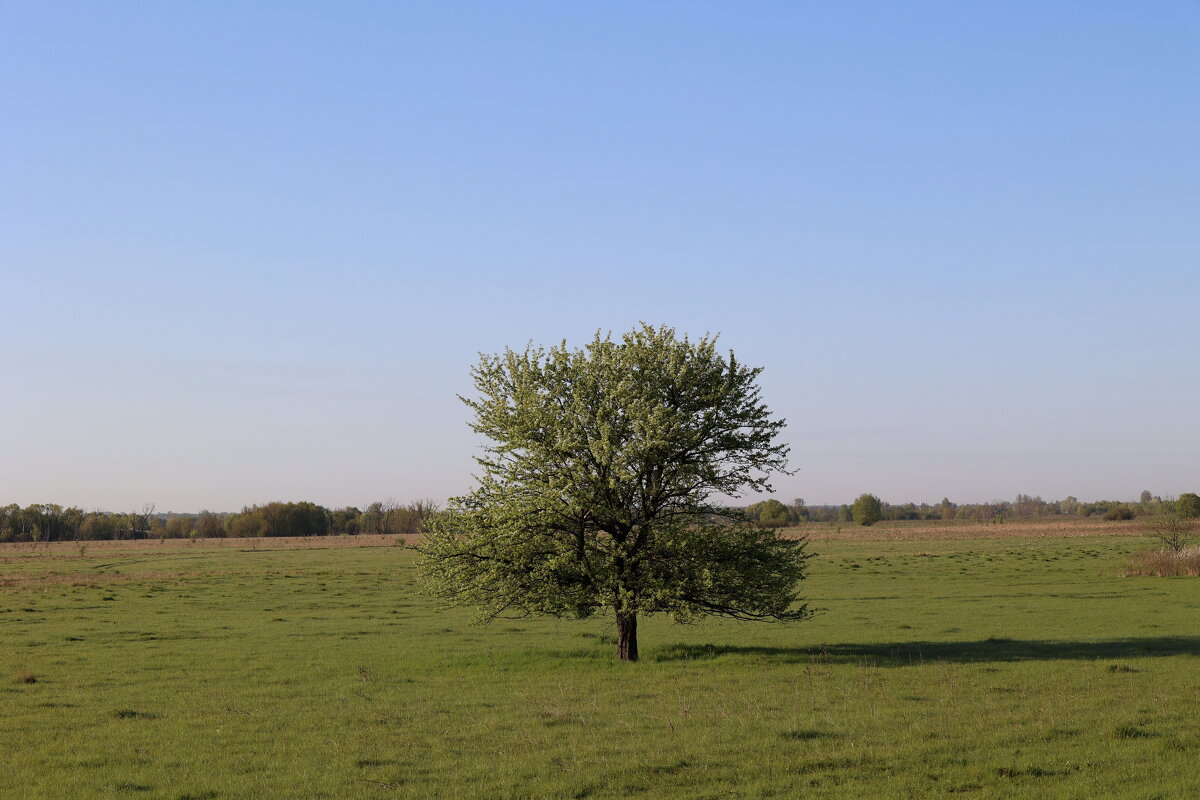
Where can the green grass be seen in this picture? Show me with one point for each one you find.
(963, 668)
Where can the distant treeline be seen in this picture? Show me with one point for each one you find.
(773, 513)
(45, 522)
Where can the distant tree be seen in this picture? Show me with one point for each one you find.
(1100, 507)
(244, 525)
(379, 515)
(51, 521)
(139, 521)
(822, 513)
(7, 534)
(1121, 512)
(799, 512)
(946, 509)
(1025, 506)
(1146, 497)
(389, 516)
(209, 525)
(772, 514)
(1173, 531)
(99, 525)
(344, 520)
(844, 514)
(596, 488)
(867, 510)
(178, 526)
(72, 522)
(1188, 505)
(6, 522)
(410, 518)
(291, 519)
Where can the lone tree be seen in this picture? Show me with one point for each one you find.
(867, 509)
(1173, 531)
(597, 488)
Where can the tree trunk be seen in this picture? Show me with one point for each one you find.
(627, 637)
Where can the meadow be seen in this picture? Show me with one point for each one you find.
(985, 661)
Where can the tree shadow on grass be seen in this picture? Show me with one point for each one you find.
(904, 654)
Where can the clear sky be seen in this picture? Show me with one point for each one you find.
(249, 252)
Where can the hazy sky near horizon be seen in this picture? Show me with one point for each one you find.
(249, 252)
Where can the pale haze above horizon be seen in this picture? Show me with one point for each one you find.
(250, 252)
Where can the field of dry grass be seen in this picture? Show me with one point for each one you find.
(116, 546)
(1154, 561)
(114, 562)
(1165, 563)
(954, 529)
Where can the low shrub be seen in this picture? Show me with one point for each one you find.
(1174, 531)
(1165, 563)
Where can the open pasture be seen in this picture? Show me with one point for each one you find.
(982, 661)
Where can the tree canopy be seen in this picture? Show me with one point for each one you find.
(599, 488)
(769, 513)
(1188, 505)
(867, 509)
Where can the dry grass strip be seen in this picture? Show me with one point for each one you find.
(1165, 563)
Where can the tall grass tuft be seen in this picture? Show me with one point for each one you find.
(1165, 563)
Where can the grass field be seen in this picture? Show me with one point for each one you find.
(964, 661)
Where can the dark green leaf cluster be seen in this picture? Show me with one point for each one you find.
(1188, 505)
(867, 510)
(771, 513)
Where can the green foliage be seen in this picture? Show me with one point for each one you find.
(769, 513)
(179, 526)
(279, 519)
(946, 509)
(1121, 512)
(799, 512)
(596, 486)
(867, 510)
(1102, 509)
(1188, 505)
(53, 523)
(208, 525)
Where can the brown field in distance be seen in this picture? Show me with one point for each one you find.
(25, 564)
(98, 547)
(955, 529)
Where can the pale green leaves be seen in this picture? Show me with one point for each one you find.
(595, 485)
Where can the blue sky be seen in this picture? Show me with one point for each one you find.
(250, 253)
